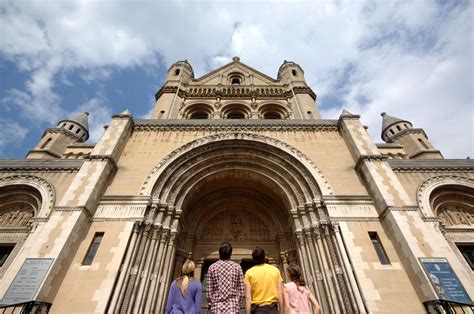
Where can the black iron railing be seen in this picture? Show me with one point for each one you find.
(447, 307)
(35, 307)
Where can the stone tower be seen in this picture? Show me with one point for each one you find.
(54, 141)
(235, 91)
(414, 140)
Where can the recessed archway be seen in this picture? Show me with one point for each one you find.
(246, 188)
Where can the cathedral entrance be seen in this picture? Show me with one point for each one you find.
(248, 189)
(235, 206)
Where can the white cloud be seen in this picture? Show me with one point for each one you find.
(12, 134)
(410, 59)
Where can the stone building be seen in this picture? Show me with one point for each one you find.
(234, 155)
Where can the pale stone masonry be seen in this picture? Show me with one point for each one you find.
(240, 156)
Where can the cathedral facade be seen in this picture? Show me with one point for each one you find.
(240, 156)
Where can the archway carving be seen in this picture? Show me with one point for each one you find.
(44, 188)
(426, 189)
(157, 171)
(246, 188)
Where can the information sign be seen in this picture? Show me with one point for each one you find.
(446, 283)
(27, 281)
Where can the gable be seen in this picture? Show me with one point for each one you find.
(226, 73)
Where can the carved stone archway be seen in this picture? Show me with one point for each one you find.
(247, 188)
(21, 199)
(450, 199)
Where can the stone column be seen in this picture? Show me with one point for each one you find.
(348, 270)
(119, 290)
(327, 277)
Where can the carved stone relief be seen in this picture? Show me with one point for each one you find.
(235, 225)
(455, 216)
(15, 217)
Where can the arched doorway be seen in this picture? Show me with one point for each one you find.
(246, 188)
(238, 206)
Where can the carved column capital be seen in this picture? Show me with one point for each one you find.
(147, 229)
(335, 226)
(136, 226)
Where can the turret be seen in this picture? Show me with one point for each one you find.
(291, 71)
(180, 71)
(54, 141)
(292, 74)
(167, 99)
(414, 140)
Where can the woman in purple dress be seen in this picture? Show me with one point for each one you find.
(185, 292)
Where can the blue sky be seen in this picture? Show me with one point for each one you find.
(411, 59)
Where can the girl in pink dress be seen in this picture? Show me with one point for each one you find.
(296, 294)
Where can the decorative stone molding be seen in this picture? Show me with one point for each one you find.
(57, 165)
(406, 132)
(363, 158)
(424, 165)
(244, 125)
(65, 132)
(44, 187)
(396, 209)
(238, 92)
(426, 188)
(149, 183)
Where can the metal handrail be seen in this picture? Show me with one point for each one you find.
(447, 307)
(35, 307)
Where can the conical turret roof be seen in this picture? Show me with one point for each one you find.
(388, 121)
(81, 119)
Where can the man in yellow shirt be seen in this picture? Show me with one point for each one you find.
(263, 286)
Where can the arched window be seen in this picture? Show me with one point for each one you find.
(454, 205)
(176, 72)
(70, 127)
(294, 72)
(273, 111)
(198, 111)
(235, 111)
(236, 78)
(398, 128)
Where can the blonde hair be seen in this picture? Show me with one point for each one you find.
(188, 268)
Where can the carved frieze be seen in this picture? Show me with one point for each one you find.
(235, 225)
(15, 217)
(456, 216)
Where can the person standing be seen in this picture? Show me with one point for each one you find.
(225, 286)
(296, 294)
(185, 292)
(263, 286)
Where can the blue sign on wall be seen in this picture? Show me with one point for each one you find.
(446, 283)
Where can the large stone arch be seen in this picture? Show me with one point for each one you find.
(426, 189)
(450, 199)
(22, 197)
(45, 189)
(149, 183)
(247, 188)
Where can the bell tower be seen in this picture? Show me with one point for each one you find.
(168, 98)
(292, 74)
(54, 141)
(414, 140)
